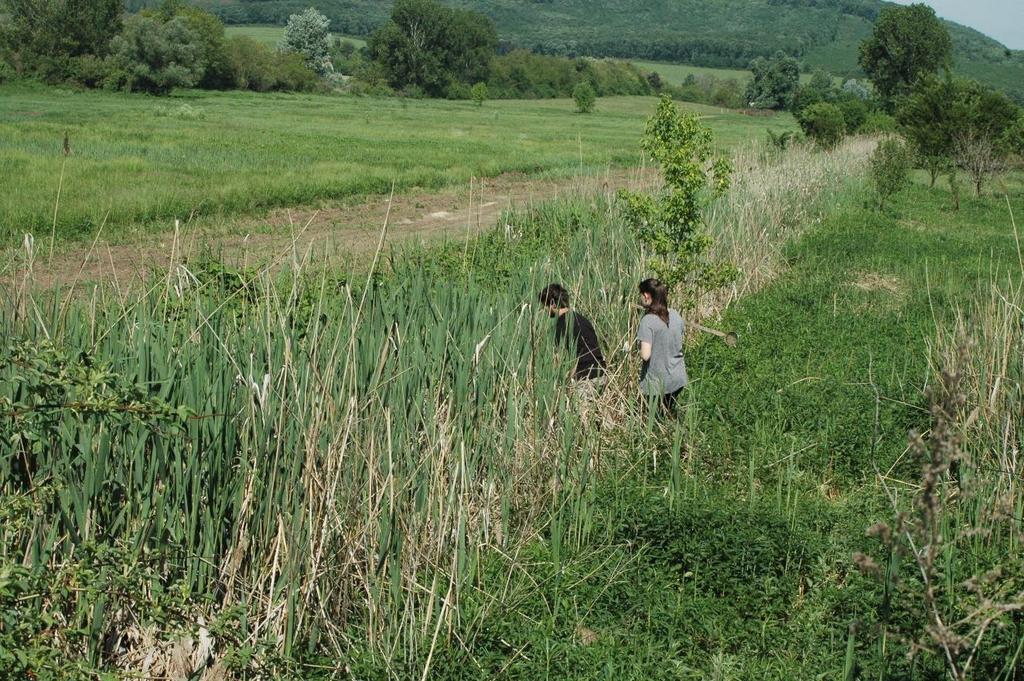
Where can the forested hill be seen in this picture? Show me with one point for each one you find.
(822, 33)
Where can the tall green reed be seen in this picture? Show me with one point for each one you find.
(333, 460)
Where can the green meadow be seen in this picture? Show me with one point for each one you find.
(137, 163)
(325, 473)
(677, 73)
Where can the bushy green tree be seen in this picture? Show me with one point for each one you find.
(822, 81)
(890, 169)
(823, 123)
(479, 93)
(855, 112)
(585, 97)
(672, 225)
(983, 118)
(429, 46)
(879, 122)
(524, 75)
(154, 56)
(907, 42)
(774, 82)
(209, 30)
(707, 89)
(927, 119)
(818, 89)
(254, 66)
(951, 120)
(309, 34)
(984, 111)
(49, 35)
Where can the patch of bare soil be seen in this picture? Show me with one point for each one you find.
(873, 281)
(882, 293)
(332, 233)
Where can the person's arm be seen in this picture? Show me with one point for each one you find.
(560, 330)
(645, 337)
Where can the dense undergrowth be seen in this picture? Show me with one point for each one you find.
(380, 477)
(730, 555)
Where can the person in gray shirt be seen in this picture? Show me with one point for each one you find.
(660, 337)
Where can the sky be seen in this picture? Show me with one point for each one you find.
(1001, 19)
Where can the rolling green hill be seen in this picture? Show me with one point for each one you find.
(715, 33)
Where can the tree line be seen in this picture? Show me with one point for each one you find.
(424, 49)
(93, 43)
(948, 126)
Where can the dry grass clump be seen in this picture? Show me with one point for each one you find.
(773, 199)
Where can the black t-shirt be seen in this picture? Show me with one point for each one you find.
(589, 360)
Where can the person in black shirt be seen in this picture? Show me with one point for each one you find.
(577, 332)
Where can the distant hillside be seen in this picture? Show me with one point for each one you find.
(720, 33)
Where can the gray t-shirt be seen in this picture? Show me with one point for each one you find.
(665, 371)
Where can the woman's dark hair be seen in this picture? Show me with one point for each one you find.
(554, 294)
(659, 298)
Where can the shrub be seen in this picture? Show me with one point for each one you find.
(673, 225)
(823, 123)
(774, 83)
(878, 122)
(855, 112)
(782, 140)
(727, 93)
(308, 34)
(428, 45)
(524, 75)
(1013, 139)
(585, 97)
(88, 70)
(254, 66)
(479, 93)
(707, 89)
(980, 156)
(457, 90)
(47, 35)
(155, 57)
(890, 169)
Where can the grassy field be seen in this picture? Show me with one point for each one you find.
(138, 162)
(271, 35)
(677, 73)
(386, 478)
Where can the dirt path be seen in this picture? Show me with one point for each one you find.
(331, 233)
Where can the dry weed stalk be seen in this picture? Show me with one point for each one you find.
(773, 198)
(952, 511)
